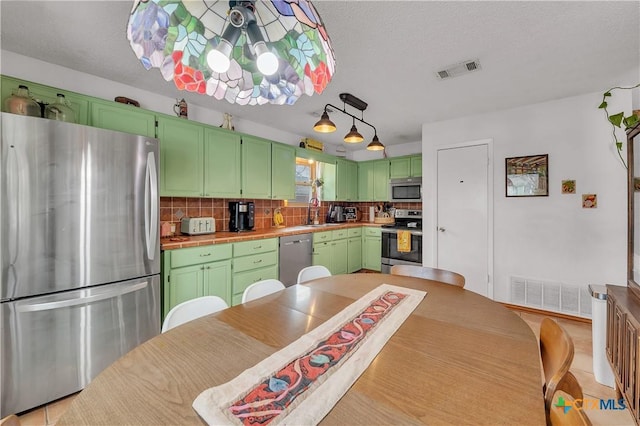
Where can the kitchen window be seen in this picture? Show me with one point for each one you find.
(305, 175)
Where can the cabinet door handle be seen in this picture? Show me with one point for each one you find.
(256, 248)
(205, 255)
(257, 261)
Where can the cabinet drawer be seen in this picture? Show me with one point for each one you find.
(372, 232)
(247, 263)
(354, 232)
(196, 255)
(243, 280)
(254, 247)
(322, 236)
(339, 234)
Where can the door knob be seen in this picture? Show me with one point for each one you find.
(441, 229)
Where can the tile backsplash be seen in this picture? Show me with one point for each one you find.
(172, 209)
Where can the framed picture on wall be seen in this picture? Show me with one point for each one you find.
(527, 176)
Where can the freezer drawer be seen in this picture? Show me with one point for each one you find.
(55, 345)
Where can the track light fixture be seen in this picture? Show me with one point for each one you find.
(325, 125)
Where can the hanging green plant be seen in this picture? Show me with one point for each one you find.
(618, 119)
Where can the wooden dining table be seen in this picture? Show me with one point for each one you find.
(459, 358)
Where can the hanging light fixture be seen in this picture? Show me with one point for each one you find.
(325, 125)
(247, 52)
(353, 136)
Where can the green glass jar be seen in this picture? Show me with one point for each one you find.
(60, 110)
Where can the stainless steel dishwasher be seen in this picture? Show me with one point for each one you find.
(295, 254)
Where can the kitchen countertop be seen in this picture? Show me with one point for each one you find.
(183, 241)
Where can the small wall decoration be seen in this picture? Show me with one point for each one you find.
(527, 176)
(636, 184)
(568, 186)
(589, 201)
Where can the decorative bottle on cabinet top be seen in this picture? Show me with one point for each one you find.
(60, 110)
(20, 102)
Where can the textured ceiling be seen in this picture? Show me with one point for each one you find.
(388, 53)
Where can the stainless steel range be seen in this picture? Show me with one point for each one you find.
(405, 220)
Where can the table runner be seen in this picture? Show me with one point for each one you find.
(302, 382)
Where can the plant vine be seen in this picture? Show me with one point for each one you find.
(617, 120)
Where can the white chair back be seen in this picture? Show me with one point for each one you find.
(313, 272)
(192, 309)
(261, 289)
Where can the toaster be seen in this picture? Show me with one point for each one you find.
(198, 225)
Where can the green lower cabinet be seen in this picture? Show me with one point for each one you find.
(372, 249)
(322, 254)
(339, 261)
(354, 256)
(209, 279)
(253, 261)
(194, 272)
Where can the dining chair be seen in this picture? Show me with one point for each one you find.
(192, 309)
(428, 273)
(571, 393)
(261, 289)
(556, 352)
(312, 272)
(10, 420)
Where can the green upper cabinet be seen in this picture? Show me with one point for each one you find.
(124, 118)
(347, 180)
(222, 153)
(256, 167)
(181, 157)
(416, 165)
(399, 167)
(373, 180)
(78, 103)
(404, 167)
(381, 180)
(283, 171)
(365, 181)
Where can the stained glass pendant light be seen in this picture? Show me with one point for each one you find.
(247, 52)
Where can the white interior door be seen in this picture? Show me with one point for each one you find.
(462, 237)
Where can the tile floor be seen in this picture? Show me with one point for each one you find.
(582, 368)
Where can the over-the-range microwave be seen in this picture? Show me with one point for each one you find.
(407, 190)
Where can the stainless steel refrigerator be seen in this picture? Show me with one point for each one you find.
(80, 255)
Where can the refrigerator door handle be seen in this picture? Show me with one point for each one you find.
(81, 300)
(13, 212)
(151, 206)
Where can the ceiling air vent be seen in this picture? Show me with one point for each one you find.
(459, 69)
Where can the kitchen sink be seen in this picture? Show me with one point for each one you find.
(322, 225)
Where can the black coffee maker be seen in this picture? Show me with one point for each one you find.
(241, 215)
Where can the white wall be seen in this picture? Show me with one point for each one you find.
(31, 69)
(549, 238)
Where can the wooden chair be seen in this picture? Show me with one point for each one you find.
(10, 420)
(429, 274)
(556, 352)
(313, 272)
(571, 392)
(192, 309)
(261, 289)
